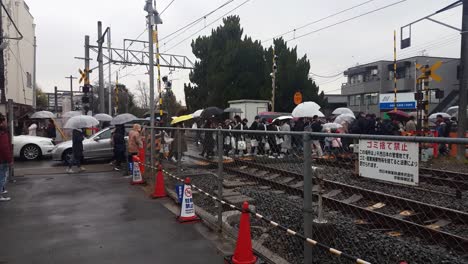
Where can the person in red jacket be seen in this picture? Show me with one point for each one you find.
(6, 159)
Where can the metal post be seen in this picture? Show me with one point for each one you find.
(55, 100)
(34, 76)
(2, 63)
(102, 106)
(110, 72)
(463, 92)
(220, 179)
(273, 82)
(11, 172)
(71, 90)
(87, 59)
(321, 189)
(308, 214)
(150, 20)
(179, 149)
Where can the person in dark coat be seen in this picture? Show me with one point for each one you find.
(208, 141)
(6, 159)
(51, 132)
(118, 139)
(254, 138)
(77, 148)
(262, 139)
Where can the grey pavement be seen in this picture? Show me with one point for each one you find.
(94, 218)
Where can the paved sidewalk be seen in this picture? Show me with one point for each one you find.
(94, 218)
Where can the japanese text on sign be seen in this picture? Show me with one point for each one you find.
(391, 161)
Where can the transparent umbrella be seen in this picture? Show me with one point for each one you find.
(72, 114)
(307, 109)
(433, 117)
(344, 118)
(81, 121)
(331, 126)
(342, 110)
(122, 119)
(103, 117)
(43, 115)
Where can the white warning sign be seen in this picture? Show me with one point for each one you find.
(391, 161)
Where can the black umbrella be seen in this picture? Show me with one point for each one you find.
(210, 112)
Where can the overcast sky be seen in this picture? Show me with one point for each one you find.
(62, 24)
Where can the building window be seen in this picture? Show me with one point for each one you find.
(28, 80)
(354, 100)
(371, 99)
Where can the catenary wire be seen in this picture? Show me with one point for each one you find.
(318, 20)
(347, 20)
(191, 24)
(227, 13)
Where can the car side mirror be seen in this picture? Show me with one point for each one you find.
(97, 138)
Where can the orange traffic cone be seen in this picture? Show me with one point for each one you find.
(187, 209)
(137, 178)
(243, 253)
(159, 189)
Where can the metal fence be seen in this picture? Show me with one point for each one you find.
(327, 197)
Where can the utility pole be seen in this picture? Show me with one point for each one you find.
(152, 19)
(34, 99)
(102, 107)
(86, 59)
(55, 100)
(273, 80)
(110, 72)
(71, 77)
(463, 92)
(2, 61)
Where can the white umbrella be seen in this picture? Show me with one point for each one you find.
(71, 114)
(122, 119)
(103, 117)
(81, 121)
(331, 126)
(197, 113)
(43, 115)
(283, 118)
(452, 110)
(344, 118)
(433, 117)
(307, 109)
(342, 110)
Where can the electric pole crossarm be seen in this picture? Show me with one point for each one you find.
(458, 3)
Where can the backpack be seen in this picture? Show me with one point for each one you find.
(355, 128)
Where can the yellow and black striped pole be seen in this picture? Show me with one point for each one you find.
(156, 41)
(426, 98)
(394, 72)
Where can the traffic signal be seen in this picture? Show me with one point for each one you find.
(418, 96)
(275, 60)
(439, 94)
(86, 88)
(164, 78)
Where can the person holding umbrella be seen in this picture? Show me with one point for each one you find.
(77, 148)
(6, 159)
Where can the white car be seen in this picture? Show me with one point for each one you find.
(32, 147)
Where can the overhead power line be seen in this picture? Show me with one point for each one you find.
(167, 7)
(347, 20)
(191, 24)
(227, 13)
(318, 20)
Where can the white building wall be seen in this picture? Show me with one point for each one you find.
(250, 108)
(19, 54)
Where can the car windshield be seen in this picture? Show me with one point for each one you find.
(106, 133)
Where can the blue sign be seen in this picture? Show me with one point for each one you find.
(400, 105)
(130, 167)
(179, 192)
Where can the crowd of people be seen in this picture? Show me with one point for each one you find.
(281, 145)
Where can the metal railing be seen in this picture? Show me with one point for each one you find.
(383, 199)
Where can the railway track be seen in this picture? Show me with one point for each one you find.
(419, 219)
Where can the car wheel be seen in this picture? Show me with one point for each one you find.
(67, 156)
(31, 152)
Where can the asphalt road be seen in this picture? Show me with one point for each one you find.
(93, 218)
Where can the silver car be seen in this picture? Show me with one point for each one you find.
(97, 146)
